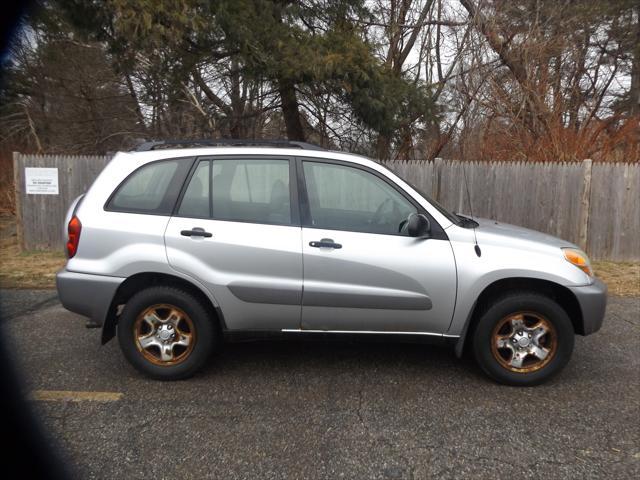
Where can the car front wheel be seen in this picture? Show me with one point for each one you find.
(523, 339)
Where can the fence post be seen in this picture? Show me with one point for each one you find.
(17, 187)
(437, 176)
(585, 204)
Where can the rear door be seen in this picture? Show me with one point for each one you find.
(362, 272)
(236, 230)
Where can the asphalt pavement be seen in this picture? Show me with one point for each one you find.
(276, 409)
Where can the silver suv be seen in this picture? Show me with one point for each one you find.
(176, 249)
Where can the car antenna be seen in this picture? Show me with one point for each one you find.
(476, 247)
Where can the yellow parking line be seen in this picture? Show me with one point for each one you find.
(72, 396)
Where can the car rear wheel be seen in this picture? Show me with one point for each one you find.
(523, 339)
(166, 333)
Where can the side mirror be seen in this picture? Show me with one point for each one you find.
(418, 225)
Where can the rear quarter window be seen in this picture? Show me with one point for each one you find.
(152, 188)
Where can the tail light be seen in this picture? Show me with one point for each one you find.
(74, 228)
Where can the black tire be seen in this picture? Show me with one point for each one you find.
(513, 304)
(205, 334)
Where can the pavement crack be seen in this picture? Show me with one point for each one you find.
(359, 413)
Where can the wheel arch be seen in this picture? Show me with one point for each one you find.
(140, 281)
(559, 293)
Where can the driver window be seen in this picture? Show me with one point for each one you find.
(347, 198)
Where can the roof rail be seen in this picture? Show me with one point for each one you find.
(226, 142)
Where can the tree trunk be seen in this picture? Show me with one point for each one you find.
(134, 98)
(536, 117)
(383, 147)
(237, 127)
(290, 111)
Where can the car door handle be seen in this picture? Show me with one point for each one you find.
(196, 232)
(325, 243)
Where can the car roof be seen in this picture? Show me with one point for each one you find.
(228, 142)
(265, 152)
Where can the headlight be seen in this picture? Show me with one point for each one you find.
(579, 259)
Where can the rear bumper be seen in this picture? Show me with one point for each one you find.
(593, 303)
(86, 294)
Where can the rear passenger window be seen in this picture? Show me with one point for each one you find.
(242, 190)
(251, 191)
(152, 188)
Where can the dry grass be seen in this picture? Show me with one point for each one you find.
(623, 279)
(25, 269)
(38, 269)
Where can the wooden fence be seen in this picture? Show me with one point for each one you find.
(40, 217)
(595, 205)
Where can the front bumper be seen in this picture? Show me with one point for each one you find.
(86, 294)
(593, 303)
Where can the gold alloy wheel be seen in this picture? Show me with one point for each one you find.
(524, 342)
(164, 334)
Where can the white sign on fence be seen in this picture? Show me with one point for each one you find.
(41, 181)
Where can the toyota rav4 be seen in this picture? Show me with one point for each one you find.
(175, 249)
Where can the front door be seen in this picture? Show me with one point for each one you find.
(236, 231)
(362, 272)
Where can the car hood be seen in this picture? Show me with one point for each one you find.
(504, 233)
